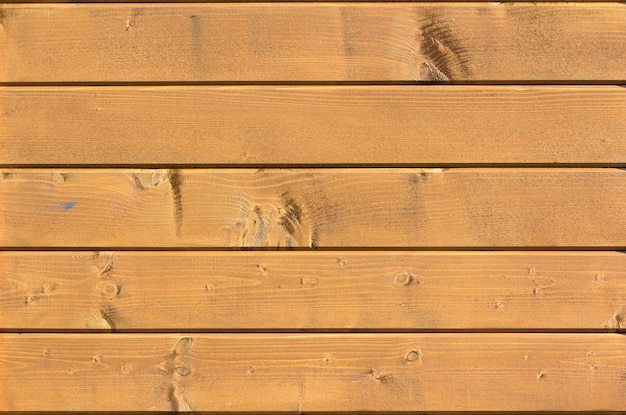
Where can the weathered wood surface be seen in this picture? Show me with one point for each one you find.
(381, 42)
(312, 290)
(313, 208)
(429, 125)
(314, 372)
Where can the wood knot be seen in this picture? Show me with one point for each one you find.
(127, 369)
(101, 322)
(379, 376)
(108, 289)
(182, 370)
(183, 346)
(58, 177)
(376, 374)
(146, 179)
(413, 356)
(308, 282)
(403, 279)
(103, 263)
(268, 225)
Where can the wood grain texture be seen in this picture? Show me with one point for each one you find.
(295, 372)
(285, 208)
(307, 125)
(313, 42)
(190, 291)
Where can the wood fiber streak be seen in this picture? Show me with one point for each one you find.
(295, 372)
(283, 208)
(313, 42)
(308, 125)
(300, 290)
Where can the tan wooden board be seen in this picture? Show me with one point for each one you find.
(313, 372)
(313, 290)
(307, 208)
(436, 125)
(378, 42)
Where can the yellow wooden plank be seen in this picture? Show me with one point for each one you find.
(295, 372)
(307, 125)
(308, 208)
(313, 42)
(312, 290)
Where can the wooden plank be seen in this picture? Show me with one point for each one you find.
(307, 125)
(309, 208)
(312, 290)
(295, 372)
(313, 42)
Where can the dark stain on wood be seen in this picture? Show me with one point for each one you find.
(291, 218)
(109, 315)
(315, 234)
(171, 398)
(349, 33)
(138, 183)
(196, 33)
(176, 183)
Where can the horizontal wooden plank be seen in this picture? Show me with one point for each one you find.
(307, 125)
(309, 208)
(313, 42)
(295, 372)
(312, 290)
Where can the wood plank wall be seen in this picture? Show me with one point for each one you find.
(312, 207)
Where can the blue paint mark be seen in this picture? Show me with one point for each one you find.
(67, 206)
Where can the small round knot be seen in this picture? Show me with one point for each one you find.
(182, 370)
(127, 369)
(58, 177)
(108, 288)
(403, 279)
(412, 356)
